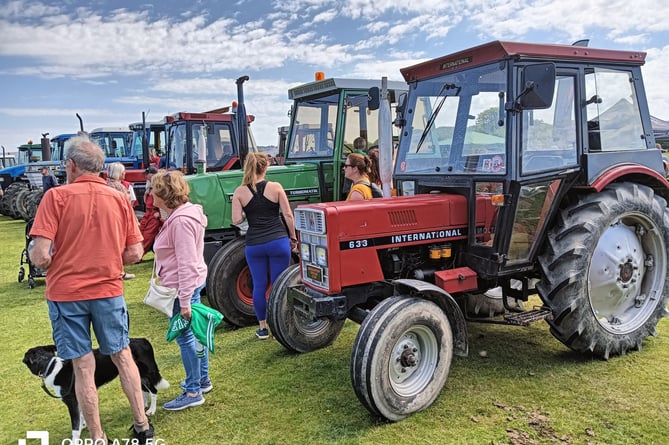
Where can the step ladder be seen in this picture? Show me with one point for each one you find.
(525, 318)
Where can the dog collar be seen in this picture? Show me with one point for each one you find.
(49, 367)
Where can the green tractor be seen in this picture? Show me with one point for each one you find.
(326, 117)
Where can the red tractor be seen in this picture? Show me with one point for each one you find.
(521, 169)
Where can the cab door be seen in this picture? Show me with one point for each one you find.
(547, 159)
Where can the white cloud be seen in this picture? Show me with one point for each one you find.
(512, 19)
(32, 112)
(655, 81)
(127, 42)
(326, 16)
(23, 9)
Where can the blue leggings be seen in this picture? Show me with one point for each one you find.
(265, 261)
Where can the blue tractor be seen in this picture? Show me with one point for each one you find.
(22, 183)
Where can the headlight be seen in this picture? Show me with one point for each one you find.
(305, 252)
(321, 256)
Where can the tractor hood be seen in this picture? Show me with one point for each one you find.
(214, 190)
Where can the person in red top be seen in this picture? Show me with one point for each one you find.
(151, 221)
(83, 234)
(154, 159)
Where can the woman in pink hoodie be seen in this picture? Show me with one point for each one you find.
(179, 256)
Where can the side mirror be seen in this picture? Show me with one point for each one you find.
(400, 121)
(538, 86)
(374, 98)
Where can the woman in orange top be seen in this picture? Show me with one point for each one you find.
(357, 168)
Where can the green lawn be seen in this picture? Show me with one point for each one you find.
(528, 389)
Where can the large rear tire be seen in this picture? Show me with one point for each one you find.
(401, 357)
(291, 329)
(229, 284)
(10, 197)
(32, 204)
(605, 270)
(19, 204)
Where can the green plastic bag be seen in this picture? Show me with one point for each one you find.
(203, 324)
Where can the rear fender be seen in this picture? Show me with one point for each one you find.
(632, 173)
(446, 302)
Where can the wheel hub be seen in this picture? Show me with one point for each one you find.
(406, 357)
(618, 271)
(244, 286)
(627, 271)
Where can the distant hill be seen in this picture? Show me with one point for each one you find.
(269, 149)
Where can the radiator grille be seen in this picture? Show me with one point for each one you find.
(402, 218)
(307, 220)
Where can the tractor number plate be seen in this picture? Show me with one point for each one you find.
(315, 273)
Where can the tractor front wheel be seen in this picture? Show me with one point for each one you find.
(293, 330)
(401, 357)
(605, 270)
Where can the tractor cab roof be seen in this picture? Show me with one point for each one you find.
(499, 50)
(210, 117)
(335, 84)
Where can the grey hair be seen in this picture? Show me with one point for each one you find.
(115, 170)
(88, 155)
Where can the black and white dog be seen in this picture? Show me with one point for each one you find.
(58, 376)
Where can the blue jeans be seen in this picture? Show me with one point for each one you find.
(196, 368)
(266, 260)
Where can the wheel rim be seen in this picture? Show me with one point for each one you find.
(245, 286)
(413, 360)
(626, 279)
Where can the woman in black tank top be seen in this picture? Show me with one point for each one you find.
(268, 240)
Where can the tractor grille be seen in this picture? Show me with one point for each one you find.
(402, 218)
(307, 220)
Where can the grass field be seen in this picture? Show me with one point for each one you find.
(528, 389)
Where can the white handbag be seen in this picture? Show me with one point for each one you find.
(160, 297)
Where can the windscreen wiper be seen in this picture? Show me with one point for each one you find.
(430, 122)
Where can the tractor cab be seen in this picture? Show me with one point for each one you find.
(327, 116)
(151, 133)
(114, 141)
(514, 127)
(210, 136)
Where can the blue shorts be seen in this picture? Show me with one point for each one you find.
(71, 324)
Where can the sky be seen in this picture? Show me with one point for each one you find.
(110, 61)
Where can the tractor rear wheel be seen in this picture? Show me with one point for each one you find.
(229, 284)
(32, 204)
(19, 204)
(290, 328)
(605, 270)
(401, 357)
(10, 196)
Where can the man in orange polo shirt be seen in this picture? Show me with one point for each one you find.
(84, 232)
